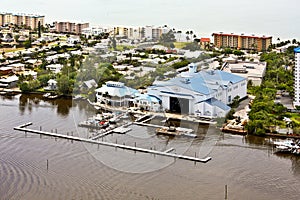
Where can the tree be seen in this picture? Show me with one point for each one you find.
(39, 29)
(193, 46)
(167, 39)
(64, 85)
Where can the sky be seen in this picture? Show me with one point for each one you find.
(277, 18)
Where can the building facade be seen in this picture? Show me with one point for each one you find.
(297, 77)
(69, 27)
(31, 21)
(129, 32)
(242, 41)
(153, 33)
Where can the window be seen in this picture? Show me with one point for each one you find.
(229, 98)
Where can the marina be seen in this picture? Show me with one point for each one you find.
(137, 149)
(237, 161)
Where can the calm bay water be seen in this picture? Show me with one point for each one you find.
(83, 171)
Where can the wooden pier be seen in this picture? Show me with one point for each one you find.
(137, 149)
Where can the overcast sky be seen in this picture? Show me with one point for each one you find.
(270, 17)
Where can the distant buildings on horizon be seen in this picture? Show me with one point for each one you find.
(247, 42)
(27, 20)
(69, 27)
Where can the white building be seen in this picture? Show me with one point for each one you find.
(254, 71)
(52, 85)
(55, 68)
(204, 94)
(95, 30)
(154, 33)
(297, 77)
(115, 94)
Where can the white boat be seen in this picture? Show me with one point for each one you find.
(50, 96)
(287, 146)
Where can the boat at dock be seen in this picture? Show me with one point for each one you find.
(102, 121)
(173, 131)
(287, 146)
(50, 96)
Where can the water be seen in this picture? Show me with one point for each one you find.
(84, 171)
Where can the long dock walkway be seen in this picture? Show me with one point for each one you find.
(26, 130)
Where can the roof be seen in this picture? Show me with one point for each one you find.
(203, 82)
(214, 102)
(148, 98)
(9, 79)
(52, 81)
(297, 50)
(205, 40)
(116, 90)
(90, 83)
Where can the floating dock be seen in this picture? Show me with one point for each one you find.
(183, 131)
(155, 152)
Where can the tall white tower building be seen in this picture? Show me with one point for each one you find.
(297, 77)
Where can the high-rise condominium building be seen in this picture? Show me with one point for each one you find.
(25, 20)
(69, 27)
(297, 77)
(242, 41)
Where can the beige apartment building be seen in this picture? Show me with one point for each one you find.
(242, 41)
(69, 27)
(31, 21)
(127, 31)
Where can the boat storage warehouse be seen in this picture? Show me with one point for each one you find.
(203, 94)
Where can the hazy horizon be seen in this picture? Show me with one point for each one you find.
(276, 18)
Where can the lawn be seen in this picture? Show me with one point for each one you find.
(7, 50)
(180, 45)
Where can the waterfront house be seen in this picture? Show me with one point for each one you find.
(147, 102)
(203, 94)
(9, 82)
(52, 85)
(115, 94)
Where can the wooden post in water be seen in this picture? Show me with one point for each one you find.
(47, 164)
(226, 193)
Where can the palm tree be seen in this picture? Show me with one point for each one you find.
(187, 35)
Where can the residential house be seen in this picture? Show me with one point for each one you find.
(55, 68)
(9, 82)
(204, 43)
(89, 84)
(6, 70)
(52, 85)
(17, 67)
(115, 94)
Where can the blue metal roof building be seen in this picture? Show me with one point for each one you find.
(207, 92)
(297, 50)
